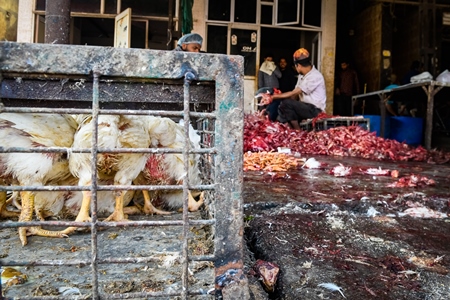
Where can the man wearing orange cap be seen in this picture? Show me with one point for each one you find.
(310, 88)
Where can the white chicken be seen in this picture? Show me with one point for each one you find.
(168, 168)
(67, 204)
(116, 131)
(4, 201)
(34, 169)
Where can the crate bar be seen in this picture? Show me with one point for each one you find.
(106, 224)
(188, 77)
(103, 187)
(143, 295)
(113, 91)
(103, 111)
(94, 180)
(85, 262)
(105, 150)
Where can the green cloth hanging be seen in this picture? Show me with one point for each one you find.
(186, 9)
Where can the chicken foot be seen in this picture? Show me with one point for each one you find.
(118, 215)
(4, 213)
(148, 208)
(194, 205)
(83, 214)
(26, 215)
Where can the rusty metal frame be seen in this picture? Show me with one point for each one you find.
(42, 60)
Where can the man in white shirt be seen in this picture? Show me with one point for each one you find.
(307, 99)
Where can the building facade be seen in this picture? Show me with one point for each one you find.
(249, 28)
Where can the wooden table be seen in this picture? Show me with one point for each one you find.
(431, 88)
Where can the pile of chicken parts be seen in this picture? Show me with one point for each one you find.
(262, 135)
(263, 138)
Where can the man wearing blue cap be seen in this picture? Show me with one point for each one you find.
(191, 42)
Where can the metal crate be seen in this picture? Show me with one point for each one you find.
(324, 124)
(204, 89)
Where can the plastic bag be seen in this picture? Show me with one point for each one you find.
(444, 77)
(422, 77)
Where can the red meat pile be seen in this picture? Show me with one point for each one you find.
(262, 135)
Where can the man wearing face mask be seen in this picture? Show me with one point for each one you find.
(307, 99)
(191, 42)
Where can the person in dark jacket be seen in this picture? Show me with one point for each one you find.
(347, 85)
(268, 76)
(269, 73)
(413, 71)
(288, 79)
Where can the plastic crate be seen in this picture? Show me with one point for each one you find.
(324, 124)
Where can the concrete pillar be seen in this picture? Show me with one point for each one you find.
(25, 23)
(329, 10)
(199, 18)
(57, 22)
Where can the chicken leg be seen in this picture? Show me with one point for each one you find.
(149, 209)
(26, 215)
(194, 205)
(118, 215)
(83, 214)
(4, 213)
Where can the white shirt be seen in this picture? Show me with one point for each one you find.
(313, 88)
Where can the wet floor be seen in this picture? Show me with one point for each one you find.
(371, 240)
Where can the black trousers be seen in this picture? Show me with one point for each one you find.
(272, 110)
(290, 109)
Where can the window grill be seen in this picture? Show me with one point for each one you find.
(123, 261)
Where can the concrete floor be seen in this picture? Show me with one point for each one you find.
(371, 240)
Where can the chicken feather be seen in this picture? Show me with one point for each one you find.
(168, 168)
(34, 169)
(114, 131)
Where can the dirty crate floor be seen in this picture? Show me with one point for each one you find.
(161, 275)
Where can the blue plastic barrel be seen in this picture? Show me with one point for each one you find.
(407, 129)
(375, 124)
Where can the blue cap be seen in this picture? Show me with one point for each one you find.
(190, 38)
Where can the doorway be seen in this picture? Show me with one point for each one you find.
(283, 42)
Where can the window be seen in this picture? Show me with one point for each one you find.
(40, 5)
(217, 39)
(251, 28)
(219, 10)
(93, 32)
(243, 42)
(245, 11)
(266, 14)
(312, 13)
(92, 6)
(287, 12)
(111, 7)
(147, 8)
(92, 22)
